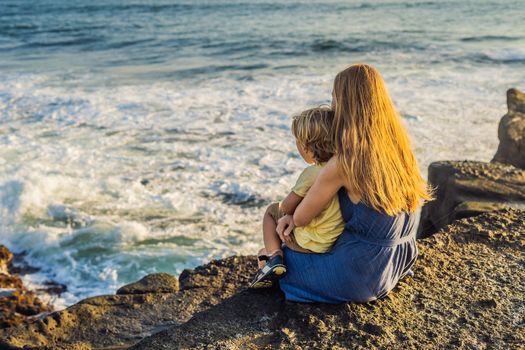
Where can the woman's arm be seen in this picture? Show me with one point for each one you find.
(319, 195)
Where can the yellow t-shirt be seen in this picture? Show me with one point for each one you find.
(321, 233)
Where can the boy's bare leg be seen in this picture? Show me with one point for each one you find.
(272, 242)
(272, 269)
(260, 263)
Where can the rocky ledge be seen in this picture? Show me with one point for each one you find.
(468, 292)
(467, 188)
(17, 303)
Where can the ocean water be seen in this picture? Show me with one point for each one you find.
(144, 136)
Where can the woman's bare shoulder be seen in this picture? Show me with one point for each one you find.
(332, 169)
(335, 172)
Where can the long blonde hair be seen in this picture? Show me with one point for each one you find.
(372, 146)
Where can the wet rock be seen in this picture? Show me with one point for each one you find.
(154, 283)
(118, 321)
(68, 216)
(6, 257)
(20, 266)
(468, 188)
(511, 131)
(17, 303)
(52, 288)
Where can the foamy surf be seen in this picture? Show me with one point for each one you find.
(156, 147)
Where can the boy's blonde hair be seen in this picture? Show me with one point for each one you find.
(312, 128)
(372, 146)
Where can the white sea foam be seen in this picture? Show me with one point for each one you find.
(506, 55)
(100, 186)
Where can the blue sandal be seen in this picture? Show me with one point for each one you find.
(273, 271)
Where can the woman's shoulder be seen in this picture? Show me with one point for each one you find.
(332, 170)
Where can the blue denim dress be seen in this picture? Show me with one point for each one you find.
(374, 251)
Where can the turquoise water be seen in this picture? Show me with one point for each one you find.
(142, 136)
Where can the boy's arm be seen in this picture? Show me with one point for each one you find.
(329, 181)
(291, 202)
(298, 192)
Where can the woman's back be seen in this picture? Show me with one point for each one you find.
(372, 225)
(373, 253)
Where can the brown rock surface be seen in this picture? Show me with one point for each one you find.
(17, 303)
(468, 188)
(468, 292)
(153, 283)
(511, 131)
(6, 257)
(116, 321)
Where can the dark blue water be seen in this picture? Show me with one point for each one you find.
(143, 136)
(173, 40)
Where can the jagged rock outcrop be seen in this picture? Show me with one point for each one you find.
(468, 292)
(17, 303)
(468, 188)
(6, 257)
(138, 310)
(153, 283)
(511, 131)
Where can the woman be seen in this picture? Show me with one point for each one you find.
(375, 175)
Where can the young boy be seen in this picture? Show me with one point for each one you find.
(311, 129)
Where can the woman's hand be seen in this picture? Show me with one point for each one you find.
(285, 226)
